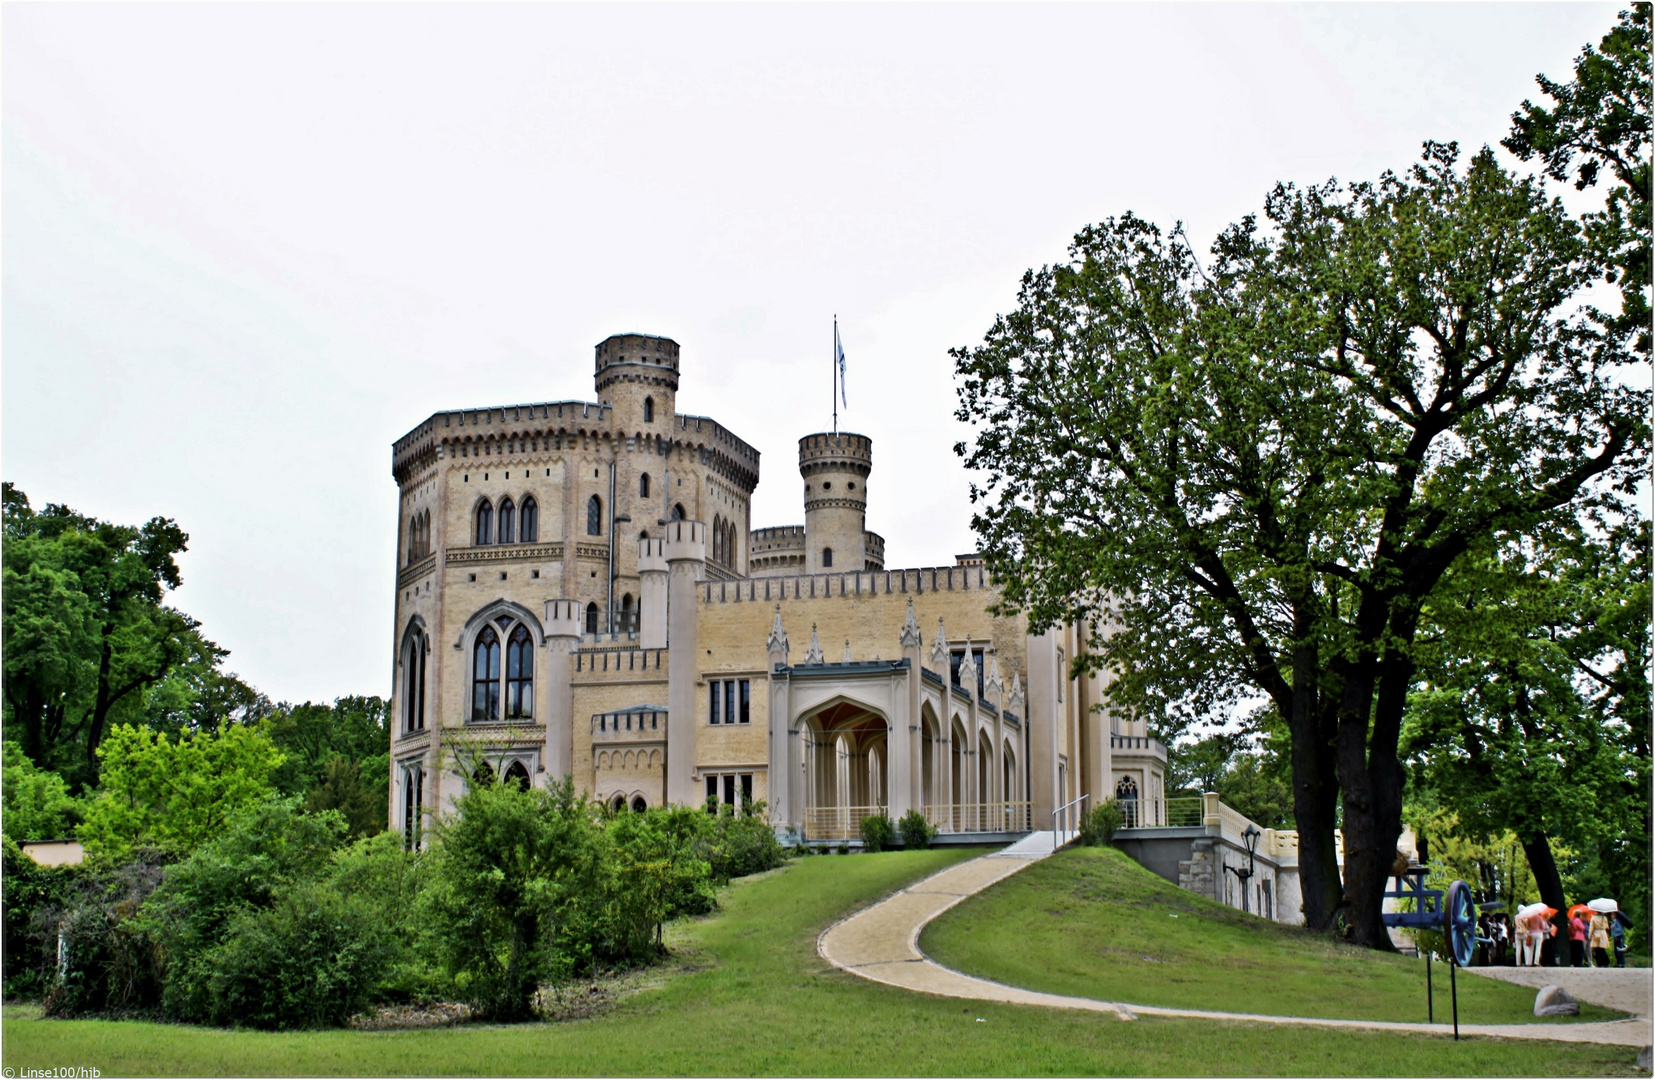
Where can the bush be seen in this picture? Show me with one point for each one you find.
(264, 851)
(313, 959)
(30, 961)
(917, 833)
(877, 832)
(516, 880)
(744, 844)
(108, 961)
(1098, 826)
(37, 801)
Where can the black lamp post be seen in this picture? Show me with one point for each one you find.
(1249, 836)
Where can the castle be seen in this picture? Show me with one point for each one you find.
(581, 591)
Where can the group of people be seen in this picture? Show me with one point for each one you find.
(1592, 935)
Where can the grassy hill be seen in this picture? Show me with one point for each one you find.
(746, 995)
(1092, 923)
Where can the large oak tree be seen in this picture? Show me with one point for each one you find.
(1256, 472)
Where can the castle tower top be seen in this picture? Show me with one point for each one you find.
(835, 468)
(637, 374)
(639, 358)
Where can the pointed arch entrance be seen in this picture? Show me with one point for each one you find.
(845, 754)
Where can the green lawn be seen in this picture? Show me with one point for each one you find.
(1093, 923)
(748, 995)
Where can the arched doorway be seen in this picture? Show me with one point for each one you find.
(844, 751)
(932, 797)
(959, 771)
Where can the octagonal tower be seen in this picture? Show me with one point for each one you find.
(835, 468)
(637, 374)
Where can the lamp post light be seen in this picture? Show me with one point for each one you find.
(1249, 836)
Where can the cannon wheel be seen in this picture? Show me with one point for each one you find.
(1460, 923)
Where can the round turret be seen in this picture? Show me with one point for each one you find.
(835, 468)
(637, 374)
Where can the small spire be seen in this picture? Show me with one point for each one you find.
(1016, 700)
(910, 629)
(778, 636)
(968, 670)
(814, 656)
(939, 644)
(847, 651)
(992, 686)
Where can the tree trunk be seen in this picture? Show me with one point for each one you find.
(1538, 849)
(1313, 793)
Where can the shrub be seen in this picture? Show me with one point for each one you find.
(313, 959)
(95, 956)
(917, 833)
(30, 961)
(37, 801)
(1098, 826)
(265, 850)
(515, 879)
(745, 844)
(877, 832)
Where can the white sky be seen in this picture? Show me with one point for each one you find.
(246, 247)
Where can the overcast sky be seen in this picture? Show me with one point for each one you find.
(246, 247)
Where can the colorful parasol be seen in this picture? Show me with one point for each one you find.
(1603, 905)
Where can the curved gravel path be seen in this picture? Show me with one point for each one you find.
(881, 943)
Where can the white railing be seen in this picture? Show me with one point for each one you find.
(1158, 813)
(1066, 820)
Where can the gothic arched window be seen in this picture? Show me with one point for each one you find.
(1127, 793)
(639, 805)
(484, 775)
(528, 522)
(485, 676)
(594, 516)
(414, 683)
(519, 674)
(678, 512)
(718, 539)
(591, 618)
(649, 414)
(518, 775)
(629, 616)
(643, 486)
(485, 523)
(827, 557)
(508, 521)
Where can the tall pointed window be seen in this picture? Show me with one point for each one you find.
(519, 675)
(827, 557)
(678, 512)
(485, 676)
(518, 774)
(594, 516)
(528, 521)
(591, 618)
(643, 486)
(629, 615)
(414, 683)
(508, 521)
(485, 523)
(649, 414)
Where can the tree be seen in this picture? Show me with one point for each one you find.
(1600, 120)
(38, 805)
(175, 793)
(354, 728)
(85, 631)
(1258, 472)
(1533, 716)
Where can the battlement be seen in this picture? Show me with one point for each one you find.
(849, 585)
(836, 452)
(636, 358)
(776, 538)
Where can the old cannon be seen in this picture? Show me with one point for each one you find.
(1453, 912)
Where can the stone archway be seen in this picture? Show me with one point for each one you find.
(845, 750)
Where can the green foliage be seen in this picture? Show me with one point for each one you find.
(37, 803)
(30, 889)
(917, 833)
(1255, 782)
(108, 960)
(261, 853)
(742, 844)
(513, 875)
(360, 801)
(878, 833)
(1265, 462)
(1600, 119)
(175, 793)
(85, 632)
(1098, 826)
(312, 959)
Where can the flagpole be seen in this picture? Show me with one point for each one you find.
(833, 364)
